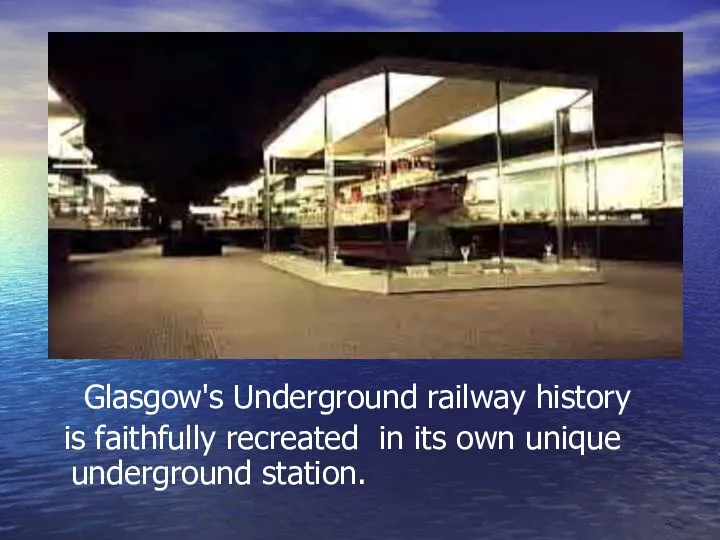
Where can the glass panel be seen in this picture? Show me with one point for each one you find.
(577, 187)
(122, 204)
(546, 195)
(357, 183)
(529, 178)
(295, 219)
(293, 199)
(69, 200)
(674, 175)
(242, 205)
(443, 155)
(630, 180)
(93, 201)
(422, 181)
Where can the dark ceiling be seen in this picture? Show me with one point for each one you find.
(187, 114)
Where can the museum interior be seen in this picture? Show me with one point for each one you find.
(79, 195)
(407, 175)
(435, 175)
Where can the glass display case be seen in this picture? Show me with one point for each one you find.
(79, 200)
(672, 157)
(432, 176)
(241, 205)
(69, 200)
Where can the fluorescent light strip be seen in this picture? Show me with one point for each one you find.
(546, 162)
(103, 180)
(237, 192)
(309, 181)
(127, 193)
(350, 108)
(206, 210)
(522, 113)
(304, 136)
(53, 96)
(57, 126)
(244, 191)
(410, 145)
(63, 150)
(581, 119)
(357, 105)
(75, 166)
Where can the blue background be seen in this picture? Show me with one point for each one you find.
(663, 484)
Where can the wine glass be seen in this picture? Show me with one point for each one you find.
(548, 250)
(465, 252)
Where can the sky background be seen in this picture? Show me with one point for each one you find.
(24, 27)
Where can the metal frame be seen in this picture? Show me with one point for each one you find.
(450, 70)
(433, 68)
(266, 202)
(499, 159)
(329, 187)
(388, 175)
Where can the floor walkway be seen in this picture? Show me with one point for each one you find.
(136, 304)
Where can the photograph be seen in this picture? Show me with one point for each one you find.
(365, 196)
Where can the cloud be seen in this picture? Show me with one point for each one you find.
(707, 124)
(705, 146)
(404, 11)
(167, 16)
(24, 64)
(701, 69)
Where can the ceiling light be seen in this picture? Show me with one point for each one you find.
(350, 108)
(525, 112)
(78, 166)
(103, 180)
(53, 96)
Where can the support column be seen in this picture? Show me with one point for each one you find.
(266, 202)
(663, 157)
(388, 175)
(596, 188)
(560, 182)
(329, 187)
(498, 142)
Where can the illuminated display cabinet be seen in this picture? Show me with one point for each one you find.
(79, 196)
(430, 175)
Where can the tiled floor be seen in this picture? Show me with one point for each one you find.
(136, 304)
